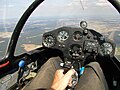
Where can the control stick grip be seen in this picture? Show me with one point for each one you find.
(67, 67)
(66, 70)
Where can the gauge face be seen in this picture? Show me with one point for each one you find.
(62, 36)
(83, 24)
(48, 41)
(107, 48)
(77, 36)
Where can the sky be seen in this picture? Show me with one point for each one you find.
(15, 8)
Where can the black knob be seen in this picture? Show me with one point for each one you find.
(85, 32)
(94, 51)
(83, 24)
(102, 38)
(89, 36)
(95, 38)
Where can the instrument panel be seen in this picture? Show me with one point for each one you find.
(78, 43)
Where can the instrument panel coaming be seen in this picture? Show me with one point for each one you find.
(78, 43)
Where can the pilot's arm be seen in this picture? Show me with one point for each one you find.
(61, 81)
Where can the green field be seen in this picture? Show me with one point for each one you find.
(117, 52)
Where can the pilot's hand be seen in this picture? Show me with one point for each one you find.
(61, 81)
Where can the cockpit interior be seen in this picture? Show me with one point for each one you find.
(77, 45)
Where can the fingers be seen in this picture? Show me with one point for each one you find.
(61, 81)
(59, 74)
(60, 70)
(68, 76)
(70, 73)
(70, 83)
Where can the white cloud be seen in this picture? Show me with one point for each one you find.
(77, 4)
(74, 2)
(102, 3)
(10, 5)
(88, 4)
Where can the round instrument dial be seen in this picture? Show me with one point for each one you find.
(77, 35)
(48, 41)
(107, 48)
(62, 36)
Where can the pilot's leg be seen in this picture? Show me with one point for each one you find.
(92, 79)
(45, 75)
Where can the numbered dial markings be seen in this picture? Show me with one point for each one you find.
(62, 36)
(107, 48)
(48, 41)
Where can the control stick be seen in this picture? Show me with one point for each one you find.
(67, 66)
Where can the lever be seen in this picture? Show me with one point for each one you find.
(21, 65)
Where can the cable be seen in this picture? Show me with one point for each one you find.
(81, 4)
